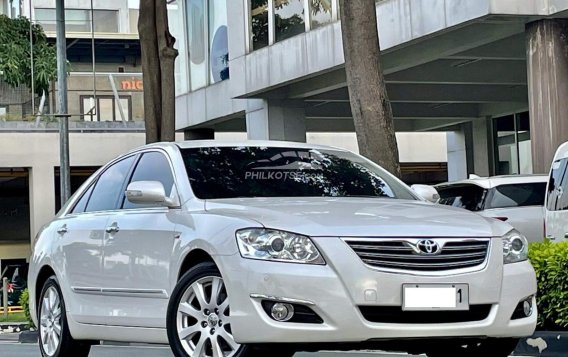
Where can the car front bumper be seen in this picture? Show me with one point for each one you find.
(338, 290)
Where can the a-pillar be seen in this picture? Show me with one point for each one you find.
(276, 120)
(547, 62)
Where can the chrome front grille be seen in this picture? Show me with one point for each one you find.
(414, 254)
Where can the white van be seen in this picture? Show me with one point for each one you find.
(556, 201)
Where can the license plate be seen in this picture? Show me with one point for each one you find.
(427, 297)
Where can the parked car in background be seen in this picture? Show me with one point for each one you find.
(17, 275)
(266, 248)
(556, 204)
(515, 199)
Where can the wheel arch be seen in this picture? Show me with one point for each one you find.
(193, 258)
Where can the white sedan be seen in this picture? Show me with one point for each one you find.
(515, 199)
(268, 248)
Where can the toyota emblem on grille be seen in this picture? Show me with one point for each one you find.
(427, 247)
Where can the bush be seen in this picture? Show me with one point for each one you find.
(550, 261)
(25, 304)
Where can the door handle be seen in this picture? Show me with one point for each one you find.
(112, 229)
(62, 229)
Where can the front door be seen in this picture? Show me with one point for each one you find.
(137, 252)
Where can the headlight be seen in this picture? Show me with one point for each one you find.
(278, 246)
(515, 247)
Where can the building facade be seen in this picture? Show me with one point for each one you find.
(105, 101)
(491, 73)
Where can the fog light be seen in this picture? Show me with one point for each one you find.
(282, 312)
(527, 308)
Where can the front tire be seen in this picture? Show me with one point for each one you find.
(494, 347)
(198, 318)
(55, 340)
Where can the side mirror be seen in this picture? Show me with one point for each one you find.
(428, 193)
(148, 193)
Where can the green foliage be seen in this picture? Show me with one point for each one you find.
(25, 304)
(550, 261)
(15, 59)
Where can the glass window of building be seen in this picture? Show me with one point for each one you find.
(177, 29)
(197, 42)
(105, 21)
(133, 15)
(259, 25)
(512, 144)
(321, 12)
(288, 18)
(218, 41)
(107, 108)
(79, 20)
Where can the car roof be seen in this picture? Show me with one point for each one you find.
(490, 182)
(189, 144)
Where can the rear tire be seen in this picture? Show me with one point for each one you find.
(55, 340)
(198, 318)
(494, 347)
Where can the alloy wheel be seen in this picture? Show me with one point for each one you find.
(50, 321)
(203, 322)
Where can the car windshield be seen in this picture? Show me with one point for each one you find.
(470, 197)
(517, 195)
(231, 172)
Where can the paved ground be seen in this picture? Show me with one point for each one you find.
(8, 349)
(14, 349)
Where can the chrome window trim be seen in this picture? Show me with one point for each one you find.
(414, 240)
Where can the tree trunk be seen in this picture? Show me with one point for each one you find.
(370, 106)
(167, 54)
(151, 71)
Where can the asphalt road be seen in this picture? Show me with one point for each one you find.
(31, 350)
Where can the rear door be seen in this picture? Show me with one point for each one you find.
(81, 235)
(556, 209)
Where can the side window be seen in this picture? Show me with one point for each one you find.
(517, 195)
(470, 197)
(82, 203)
(556, 194)
(153, 166)
(109, 186)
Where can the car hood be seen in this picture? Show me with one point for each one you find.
(359, 217)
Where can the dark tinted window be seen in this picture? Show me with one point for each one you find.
(82, 203)
(153, 166)
(229, 172)
(109, 186)
(470, 197)
(517, 195)
(557, 193)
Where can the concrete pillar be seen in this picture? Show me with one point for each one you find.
(547, 62)
(42, 197)
(199, 134)
(276, 120)
(457, 158)
(481, 149)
